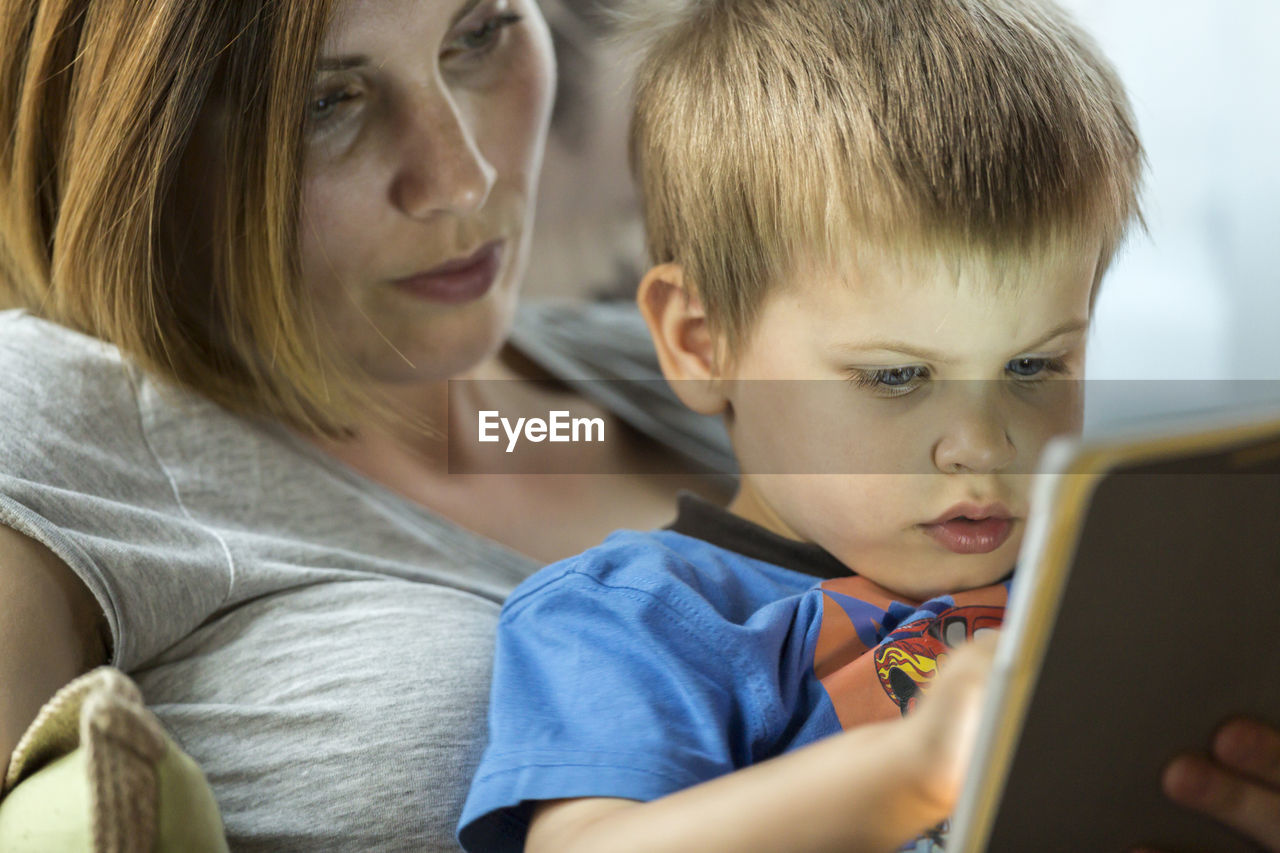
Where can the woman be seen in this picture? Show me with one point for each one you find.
(255, 240)
(303, 592)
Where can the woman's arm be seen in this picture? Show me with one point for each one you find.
(51, 630)
(868, 789)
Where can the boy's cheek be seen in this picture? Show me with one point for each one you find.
(827, 427)
(820, 427)
(1052, 410)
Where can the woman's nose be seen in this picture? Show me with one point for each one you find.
(973, 438)
(441, 168)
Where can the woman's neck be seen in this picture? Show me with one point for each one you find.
(544, 515)
(415, 431)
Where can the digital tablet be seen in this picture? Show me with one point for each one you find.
(1145, 611)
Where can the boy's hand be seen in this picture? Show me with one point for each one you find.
(1239, 784)
(945, 724)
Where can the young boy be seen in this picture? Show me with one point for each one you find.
(915, 199)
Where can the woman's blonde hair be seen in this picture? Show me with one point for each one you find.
(764, 132)
(99, 102)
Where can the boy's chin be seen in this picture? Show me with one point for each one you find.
(926, 585)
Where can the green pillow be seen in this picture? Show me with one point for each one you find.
(96, 773)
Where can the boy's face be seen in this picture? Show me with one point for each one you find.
(912, 468)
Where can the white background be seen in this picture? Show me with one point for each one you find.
(1199, 298)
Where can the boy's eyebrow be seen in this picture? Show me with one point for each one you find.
(346, 63)
(1068, 327)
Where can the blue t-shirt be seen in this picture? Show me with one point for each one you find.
(660, 660)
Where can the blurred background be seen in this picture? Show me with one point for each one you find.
(1196, 298)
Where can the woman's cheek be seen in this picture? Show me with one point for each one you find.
(524, 114)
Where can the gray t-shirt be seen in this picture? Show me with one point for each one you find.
(318, 644)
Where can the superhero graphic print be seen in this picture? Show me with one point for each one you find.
(909, 657)
(876, 655)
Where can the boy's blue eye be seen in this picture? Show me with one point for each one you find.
(891, 380)
(1027, 368)
(896, 377)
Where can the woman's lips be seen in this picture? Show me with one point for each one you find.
(969, 536)
(459, 280)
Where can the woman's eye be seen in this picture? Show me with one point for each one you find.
(484, 36)
(893, 380)
(321, 109)
(1029, 368)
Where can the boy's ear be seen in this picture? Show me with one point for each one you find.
(686, 348)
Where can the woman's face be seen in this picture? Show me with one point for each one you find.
(425, 134)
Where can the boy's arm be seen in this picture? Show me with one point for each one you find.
(869, 789)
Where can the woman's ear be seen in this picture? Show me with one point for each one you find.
(686, 348)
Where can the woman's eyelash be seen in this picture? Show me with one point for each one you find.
(486, 35)
(322, 108)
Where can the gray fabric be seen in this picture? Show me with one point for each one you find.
(319, 645)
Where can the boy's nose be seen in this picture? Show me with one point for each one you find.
(973, 440)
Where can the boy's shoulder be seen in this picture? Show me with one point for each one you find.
(667, 566)
(641, 560)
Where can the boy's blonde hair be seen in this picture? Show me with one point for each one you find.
(765, 131)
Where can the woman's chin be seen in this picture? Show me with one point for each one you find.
(450, 345)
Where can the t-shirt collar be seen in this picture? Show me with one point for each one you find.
(704, 520)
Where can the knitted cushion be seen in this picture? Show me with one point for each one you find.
(95, 773)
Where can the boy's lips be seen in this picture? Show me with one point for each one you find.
(971, 528)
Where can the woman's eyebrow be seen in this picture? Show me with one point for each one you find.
(462, 12)
(347, 63)
(341, 63)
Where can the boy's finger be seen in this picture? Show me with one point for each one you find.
(1243, 804)
(1251, 748)
(982, 647)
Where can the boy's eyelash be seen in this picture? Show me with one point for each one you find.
(897, 381)
(889, 381)
(1055, 366)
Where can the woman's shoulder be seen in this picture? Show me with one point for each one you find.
(33, 345)
(57, 381)
(78, 418)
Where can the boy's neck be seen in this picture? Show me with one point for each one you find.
(747, 504)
